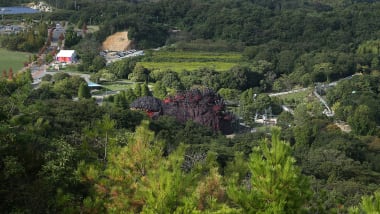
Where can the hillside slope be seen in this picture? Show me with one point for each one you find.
(117, 42)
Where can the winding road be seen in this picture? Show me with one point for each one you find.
(327, 111)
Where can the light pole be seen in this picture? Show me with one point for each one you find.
(2, 14)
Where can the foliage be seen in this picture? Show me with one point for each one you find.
(120, 100)
(88, 51)
(30, 40)
(122, 68)
(369, 204)
(360, 90)
(84, 91)
(139, 74)
(69, 86)
(159, 90)
(274, 185)
(49, 142)
(229, 94)
(125, 173)
(71, 38)
(361, 121)
(252, 105)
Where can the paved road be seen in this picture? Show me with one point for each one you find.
(328, 111)
(288, 92)
(332, 84)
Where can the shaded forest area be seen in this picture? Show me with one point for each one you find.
(64, 156)
(299, 42)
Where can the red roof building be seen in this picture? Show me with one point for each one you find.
(68, 56)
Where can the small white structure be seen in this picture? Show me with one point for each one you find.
(68, 56)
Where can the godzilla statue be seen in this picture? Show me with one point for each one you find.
(203, 106)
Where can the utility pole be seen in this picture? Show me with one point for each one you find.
(2, 14)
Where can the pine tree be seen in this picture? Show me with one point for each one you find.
(126, 171)
(361, 121)
(145, 90)
(369, 204)
(138, 90)
(130, 95)
(84, 91)
(275, 184)
(208, 190)
(121, 100)
(159, 90)
(165, 187)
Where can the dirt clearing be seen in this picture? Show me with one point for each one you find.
(117, 42)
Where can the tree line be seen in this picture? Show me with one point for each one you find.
(61, 155)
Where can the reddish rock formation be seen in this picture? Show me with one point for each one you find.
(203, 106)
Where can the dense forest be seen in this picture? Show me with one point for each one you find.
(64, 155)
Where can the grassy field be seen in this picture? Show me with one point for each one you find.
(12, 59)
(195, 56)
(295, 98)
(179, 61)
(92, 28)
(189, 66)
(118, 85)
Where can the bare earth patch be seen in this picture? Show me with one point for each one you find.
(343, 126)
(117, 42)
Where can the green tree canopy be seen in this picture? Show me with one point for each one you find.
(84, 91)
(275, 184)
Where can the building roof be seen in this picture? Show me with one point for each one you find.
(92, 84)
(66, 53)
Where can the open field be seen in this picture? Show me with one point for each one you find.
(92, 28)
(12, 59)
(189, 66)
(195, 56)
(297, 97)
(118, 85)
(179, 61)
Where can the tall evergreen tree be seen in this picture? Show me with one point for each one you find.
(145, 90)
(84, 91)
(361, 121)
(369, 204)
(121, 100)
(130, 95)
(159, 90)
(275, 184)
(137, 90)
(166, 186)
(116, 185)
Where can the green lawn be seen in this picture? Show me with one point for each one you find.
(190, 60)
(195, 56)
(295, 98)
(12, 59)
(189, 66)
(118, 85)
